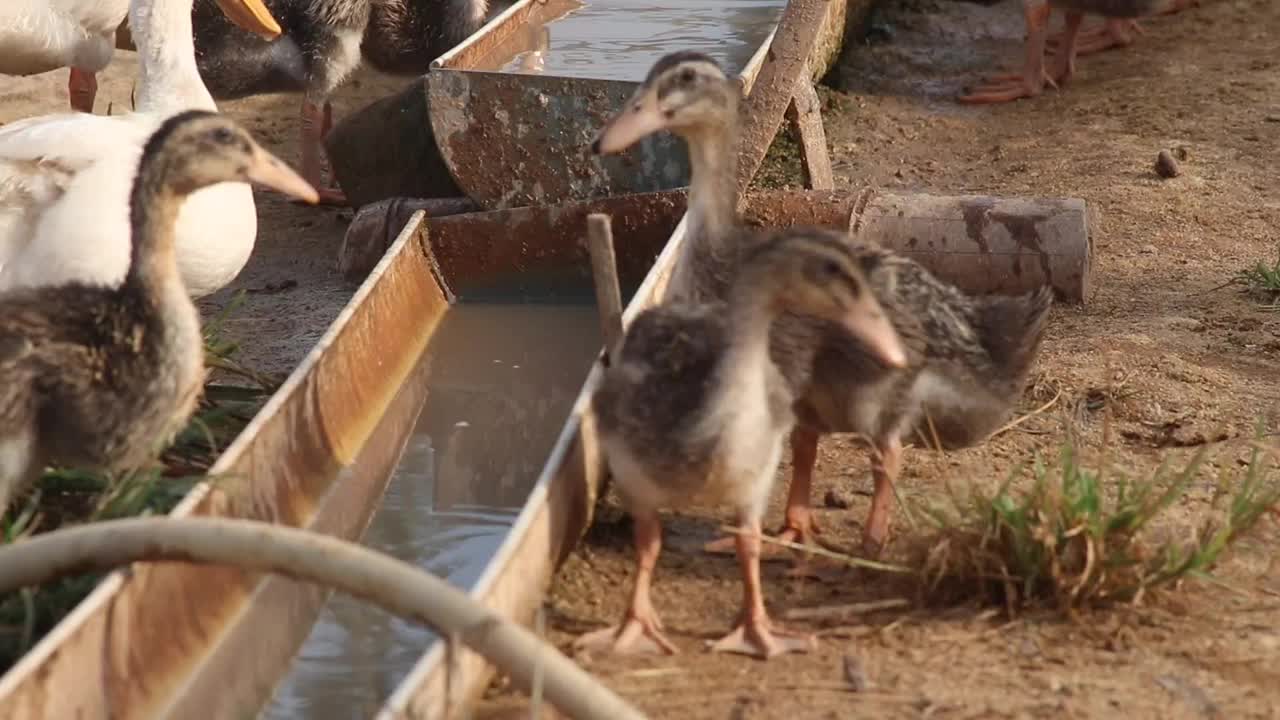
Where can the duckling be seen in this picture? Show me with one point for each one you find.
(693, 411)
(99, 376)
(37, 36)
(967, 357)
(1030, 82)
(322, 44)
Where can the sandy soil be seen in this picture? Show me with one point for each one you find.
(1185, 359)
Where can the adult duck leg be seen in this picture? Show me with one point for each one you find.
(756, 634)
(641, 630)
(800, 525)
(317, 119)
(1114, 32)
(1031, 81)
(82, 87)
(1065, 58)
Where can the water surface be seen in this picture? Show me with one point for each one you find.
(501, 380)
(621, 40)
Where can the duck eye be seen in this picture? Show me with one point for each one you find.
(687, 76)
(223, 136)
(831, 268)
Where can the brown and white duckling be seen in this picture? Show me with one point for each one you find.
(98, 376)
(322, 43)
(967, 357)
(1031, 81)
(692, 410)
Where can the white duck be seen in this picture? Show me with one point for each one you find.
(37, 36)
(65, 178)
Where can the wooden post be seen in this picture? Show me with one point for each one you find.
(604, 271)
(804, 115)
(775, 85)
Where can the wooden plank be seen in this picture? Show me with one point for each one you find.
(804, 115)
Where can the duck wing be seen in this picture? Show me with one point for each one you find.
(41, 35)
(662, 381)
(1011, 328)
(64, 185)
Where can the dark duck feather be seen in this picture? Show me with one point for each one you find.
(322, 43)
(693, 411)
(968, 356)
(102, 377)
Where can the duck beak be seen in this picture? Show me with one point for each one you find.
(253, 16)
(270, 171)
(868, 323)
(642, 117)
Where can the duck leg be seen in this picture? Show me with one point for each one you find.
(755, 634)
(1031, 81)
(82, 87)
(1065, 58)
(641, 630)
(884, 469)
(800, 526)
(316, 122)
(1115, 32)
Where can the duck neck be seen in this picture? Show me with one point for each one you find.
(167, 76)
(712, 183)
(752, 310)
(153, 215)
(708, 254)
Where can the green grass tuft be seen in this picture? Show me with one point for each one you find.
(1262, 281)
(1078, 537)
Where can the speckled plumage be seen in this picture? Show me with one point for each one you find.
(324, 41)
(692, 411)
(968, 357)
(93, 376)
(974, 351)
(95, 370)
(659, 392)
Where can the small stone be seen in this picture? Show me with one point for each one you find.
(1149, 249)
(1166, 165)
(855, 675)
(836, 500)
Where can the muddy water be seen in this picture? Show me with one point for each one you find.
(621, 39)
(501, 379)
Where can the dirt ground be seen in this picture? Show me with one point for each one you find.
(1195, 362)
(1186, 361)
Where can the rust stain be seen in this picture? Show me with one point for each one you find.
(975, 221)
(1024, 230)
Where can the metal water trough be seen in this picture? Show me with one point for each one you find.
(512, 139)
